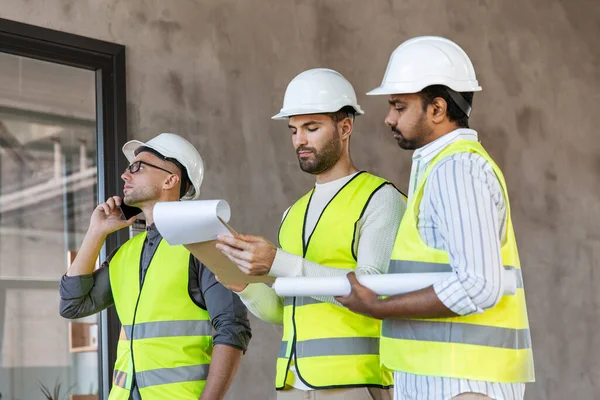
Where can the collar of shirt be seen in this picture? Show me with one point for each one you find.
(151, 232)
(337, 182)
(427, 153)
(422, 157)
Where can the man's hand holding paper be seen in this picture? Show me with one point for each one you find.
(253, 255)
(197, 224)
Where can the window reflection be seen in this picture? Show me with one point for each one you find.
(47, 193)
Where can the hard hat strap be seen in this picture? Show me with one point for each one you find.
(460, 101)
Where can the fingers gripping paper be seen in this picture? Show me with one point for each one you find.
(195, 225)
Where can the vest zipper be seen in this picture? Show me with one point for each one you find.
(304, 252)
(134, 381)
(293, 352)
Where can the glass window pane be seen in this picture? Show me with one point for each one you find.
(47, 194)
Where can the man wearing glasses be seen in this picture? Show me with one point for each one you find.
(167, 301)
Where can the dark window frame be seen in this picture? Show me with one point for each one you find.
(108, 62)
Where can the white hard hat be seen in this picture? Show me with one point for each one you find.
(318, 91)
(424, 61)
(174, 146)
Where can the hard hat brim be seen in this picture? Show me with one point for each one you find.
(130, 147)
(291, 113)
(416, 87)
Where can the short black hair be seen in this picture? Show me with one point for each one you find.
(185, 181)
(342, 113)
(454, 112)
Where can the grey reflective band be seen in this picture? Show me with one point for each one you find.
(119, 378)
(147, 330)
(460, 333)
(306, 301)
(460, 101)
(163, 376)
(411, 267)
(519, 275)
(283, 349)
(300, 301)
(337, 347)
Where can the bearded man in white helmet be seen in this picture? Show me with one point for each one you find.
(166, 300)
(459, 338)
(347, 222)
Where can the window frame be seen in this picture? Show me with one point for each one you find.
(108, 61)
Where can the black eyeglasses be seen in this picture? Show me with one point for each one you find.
(135, 167)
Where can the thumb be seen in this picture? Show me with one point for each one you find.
(353, 280)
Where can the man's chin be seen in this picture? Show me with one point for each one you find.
(130, 201)
(308, 168)
(404, 145)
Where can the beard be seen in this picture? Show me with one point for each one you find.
(324, 159)
(419, 133)
(138, 196)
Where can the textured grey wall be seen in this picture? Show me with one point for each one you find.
(216, 70)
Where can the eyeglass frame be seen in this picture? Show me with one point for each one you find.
(139, 165)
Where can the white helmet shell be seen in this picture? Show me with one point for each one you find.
(318, 91)
(424, 61)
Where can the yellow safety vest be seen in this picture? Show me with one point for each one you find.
(332, 347)
(494, 346)
(166, 338)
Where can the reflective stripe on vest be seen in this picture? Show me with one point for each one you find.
(411, 267)
(301, 301)
(165, 336)
(119, 378)
(163, 376)
(460, 333)
(494, 346)
(149, 330)
(332, 347)
(337, 347)
(171, 375)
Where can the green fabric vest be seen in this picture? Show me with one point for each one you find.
(331, 346)
(166, 338)
(494, 346)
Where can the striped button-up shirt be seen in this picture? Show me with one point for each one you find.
(462, 212)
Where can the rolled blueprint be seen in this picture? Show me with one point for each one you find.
(383, 285)
(183, 222)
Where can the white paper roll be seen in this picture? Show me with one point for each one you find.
(383, 285)
(183, 222)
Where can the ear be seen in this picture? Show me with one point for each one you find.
(171, 182)
(346, 126)
(437, 110)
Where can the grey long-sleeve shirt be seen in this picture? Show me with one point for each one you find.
(85, 295)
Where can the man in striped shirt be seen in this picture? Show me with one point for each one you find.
(460, 338)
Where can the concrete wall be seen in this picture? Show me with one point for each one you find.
(216, 70)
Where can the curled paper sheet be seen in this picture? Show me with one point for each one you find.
(183, 222)
(195, 225)
(383, 285)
